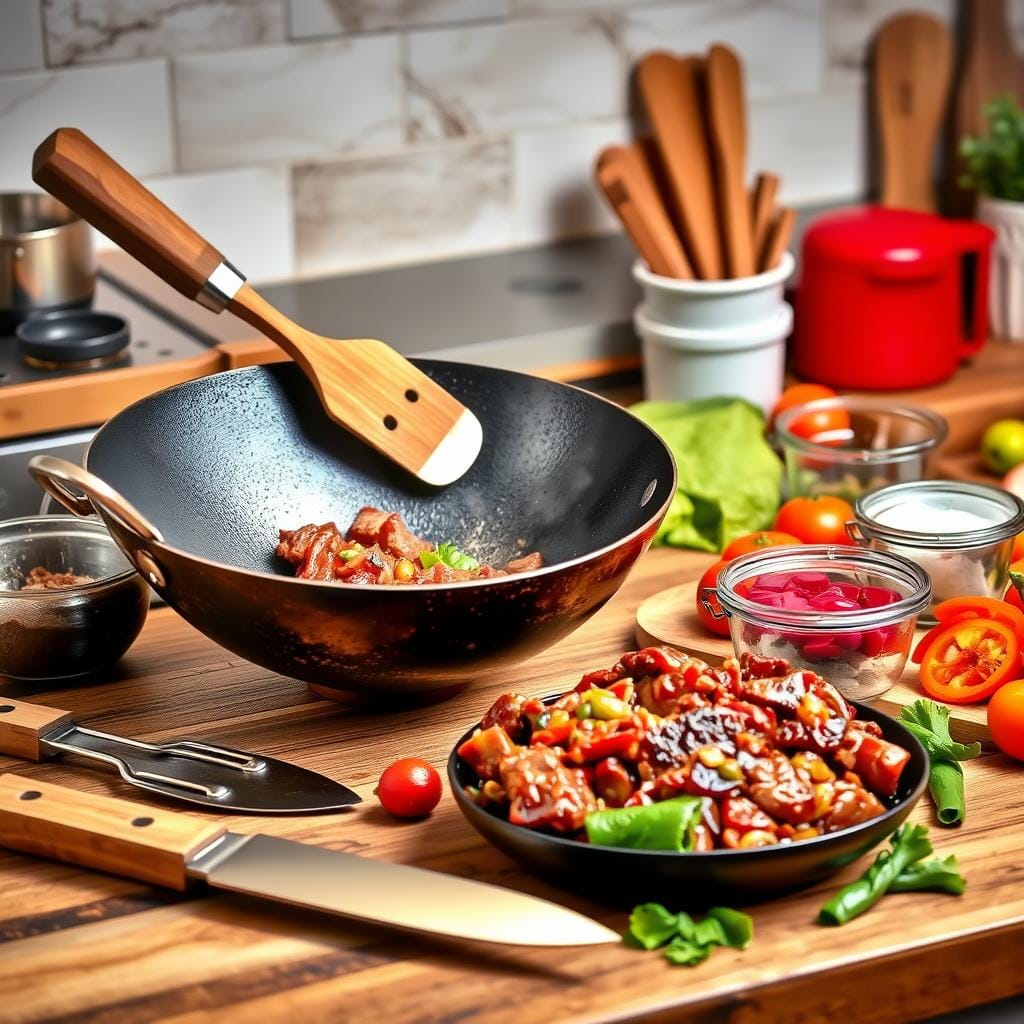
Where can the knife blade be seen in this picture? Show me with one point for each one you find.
(190, 770)
(174, 850)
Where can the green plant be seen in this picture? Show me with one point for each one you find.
(995, 162)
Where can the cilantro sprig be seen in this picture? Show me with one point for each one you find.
(448, 554)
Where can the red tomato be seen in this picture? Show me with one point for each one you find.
(719, 626)
(409, 788)
(824, 426)
(816, 520)
(755, 541)
(1006, 718)
(798, 394)
(969, 660)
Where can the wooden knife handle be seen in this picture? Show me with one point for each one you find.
(22, 724)
(70, 166)
(124, 838)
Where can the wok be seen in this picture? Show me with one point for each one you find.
(195, 481)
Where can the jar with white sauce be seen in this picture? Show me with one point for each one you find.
(961, 534)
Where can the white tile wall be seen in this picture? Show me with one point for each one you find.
(286, 102)
(310, 18)
(79, 31)
(436, 202)
(553, 191)
(21, 35)
(496, 78)
(124, 107)
(780, 41)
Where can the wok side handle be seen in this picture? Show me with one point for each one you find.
(61, 479)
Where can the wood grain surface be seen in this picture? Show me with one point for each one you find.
(79, 946)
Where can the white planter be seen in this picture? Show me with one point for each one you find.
(1006, 287)
(683, 363)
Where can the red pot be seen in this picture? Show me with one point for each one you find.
(890, 299)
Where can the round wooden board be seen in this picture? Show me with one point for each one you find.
(670, 617)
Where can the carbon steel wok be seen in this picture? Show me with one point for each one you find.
(194, 483)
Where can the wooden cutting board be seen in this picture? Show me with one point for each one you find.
(669, 617)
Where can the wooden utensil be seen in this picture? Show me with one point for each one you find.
(762, 207)
(779, 233)
(728, 132)
(990, 67)
(670, 88)
(631, 194)
(913, 63)
(364, 385)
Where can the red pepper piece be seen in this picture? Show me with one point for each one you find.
(596, 747)
(553, 736)
(485, 750)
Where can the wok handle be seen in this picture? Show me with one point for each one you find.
(128, 839)
(70, 166)
(58, 476)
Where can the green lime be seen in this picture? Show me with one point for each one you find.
(1003, 445)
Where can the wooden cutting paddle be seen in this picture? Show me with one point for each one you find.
(626, 183)
(728, 131)
(670, 88)
(762, 207)
(364, 385)
(913, 66)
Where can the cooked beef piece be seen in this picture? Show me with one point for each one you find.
(293, 544)
(753, 666)
(774, 785)
(507, 712)
(669, 742)
(877, 761)
(822, 737)
(388, 530)
(42, 579)
(851, 805)
(527, 563)
(544, 793)
(318, 563)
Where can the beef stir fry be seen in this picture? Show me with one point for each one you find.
(776, 753)
(380, 548)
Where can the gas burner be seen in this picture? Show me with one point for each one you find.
(73, 339)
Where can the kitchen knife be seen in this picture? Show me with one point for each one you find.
(174, 850)
(213, 776)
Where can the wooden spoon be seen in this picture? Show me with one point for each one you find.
(728, 131)
(778, 238)
(913, 65)
(762, 207)
(364, 385)
(626, 183)
(670, 88)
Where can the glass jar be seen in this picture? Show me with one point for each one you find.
(882, 444)
(862, 650)
(972, 560)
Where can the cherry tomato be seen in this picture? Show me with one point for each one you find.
(720, 626)
(799, 394)
(755, 541)
(823, 426)
(816, 520)
(969, 660)
(1006, 718)
(409, 788)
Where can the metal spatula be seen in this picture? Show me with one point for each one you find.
(201, 773)
(364, 384)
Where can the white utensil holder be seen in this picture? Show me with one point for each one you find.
(1006, 286)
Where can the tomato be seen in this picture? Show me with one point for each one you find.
(799, 394)
(969, 660)
(957, 609)
(719, 626)
(1006, 718)
(823, 426)
(925, 643)
(816, 520)
(409, 788)
(756, 541)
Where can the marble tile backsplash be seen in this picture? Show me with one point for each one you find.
(313, 136)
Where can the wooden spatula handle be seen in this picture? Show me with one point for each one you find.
(124, 838)
(22, 725)
(70, 166)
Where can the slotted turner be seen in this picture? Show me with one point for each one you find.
(364, 384)
(200, 773)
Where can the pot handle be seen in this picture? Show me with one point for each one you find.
(58, 476)
(975, 240)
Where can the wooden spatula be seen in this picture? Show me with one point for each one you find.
(779, 232)
(628, 187)
(364, 385)
(762, 207)
(670, 88)
(728, 131)
(913, 65)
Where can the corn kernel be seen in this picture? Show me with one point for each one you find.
(757, 837)
(805, 833)
(404, 569)
(820, 771)
(730, 769)
(822, 798)
(711, 756)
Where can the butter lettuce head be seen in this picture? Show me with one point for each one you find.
(729, 477)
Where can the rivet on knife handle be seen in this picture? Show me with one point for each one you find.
(23, 725)
(123, 838)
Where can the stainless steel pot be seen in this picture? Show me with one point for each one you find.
(46, 257)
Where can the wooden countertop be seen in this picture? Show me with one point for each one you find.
(80, 946)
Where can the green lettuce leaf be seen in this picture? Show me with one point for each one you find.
(729, 478)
